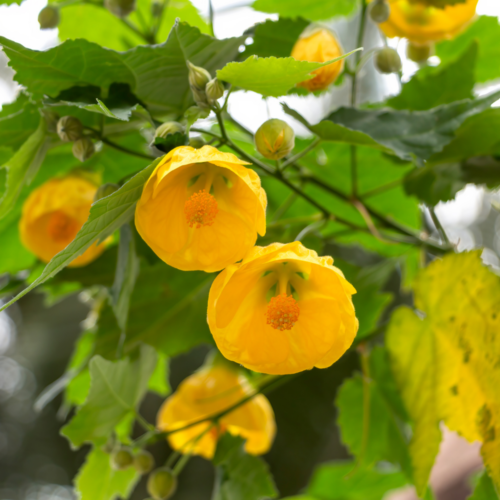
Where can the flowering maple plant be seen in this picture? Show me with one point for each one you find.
(283, 250)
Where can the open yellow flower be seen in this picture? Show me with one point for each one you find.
(207, 392)
(422, 24)
(282, 310)
(319, 45)
(201, 209)
(52, 216)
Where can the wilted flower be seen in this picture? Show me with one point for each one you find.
(282, 310)
(201, 209)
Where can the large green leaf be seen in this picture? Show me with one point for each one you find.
(96, 480)
(245, 477)
(106, 215)
(167, 310)
(431, 87)
(157, 75)
(485, 489)
(116, 390)
(18, 121)
(270, 76)
(315, 11)
(486, 32)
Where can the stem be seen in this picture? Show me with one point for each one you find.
(382, 189)
(438, 225)
(125, 150)
(208, 132)
(300, 154)
(365, 366)
(144, 423)
(361, 35)
(137, 31)
(211, 17)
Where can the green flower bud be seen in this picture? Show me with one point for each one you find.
(198, 77)
(380, 11)
(121, 459)
(387, 60)
(200, 98)
(214, 91)
(144, 462)
(274, 139)
(168, 128)
(51, 118)
(49, 17)
(418, 53)
(83, 148)
(105, 190)
(162, 483)
(120, 8)
(69, 128)
(197, 142)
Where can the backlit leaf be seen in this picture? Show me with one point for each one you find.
(315, 11)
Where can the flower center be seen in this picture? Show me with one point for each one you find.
(282, 312)
(201, 209)
(61, 227)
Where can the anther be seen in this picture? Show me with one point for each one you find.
(201, 209)
(282, 312)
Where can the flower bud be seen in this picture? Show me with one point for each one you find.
(198, 77)
(48, 17)
(274, 139)
(214, 91)
(156, 9)
(121, 459)
(69, 128)
(51, 118)
(83, 148)
(168, 128)
(200, 98)
(105, 190)
(387, 60)
(380, 11)
(120, 8)
(162, 483)
(144, 462)
(197, 142)
(418, 53)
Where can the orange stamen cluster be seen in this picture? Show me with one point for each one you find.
(201, 209)
(282, 312)
(62, 227)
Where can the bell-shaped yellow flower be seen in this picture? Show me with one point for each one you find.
(319, 45)
(52, 216)
(205, 393)
(201, 209)
(422, 24)
(282, 310)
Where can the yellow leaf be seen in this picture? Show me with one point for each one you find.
(446, 360)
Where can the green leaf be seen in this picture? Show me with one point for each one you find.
(127, 269)
(275, 38)
(315, 11)
(245, 477)
(106, 215)
(167, 311)
(116, 390)
(441, 4)
(22, 167)
(485, 489)
(270, 76)
(452, 338)
(159, 379)
(486, 32)
(96, 480)
(431, 87)
(18, 121)
(342, 481)
(418, 134)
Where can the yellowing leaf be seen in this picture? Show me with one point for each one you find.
(447, 360)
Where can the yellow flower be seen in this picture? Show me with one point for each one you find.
(53, 214)
(319, 45)
(282, 310)
(422, 24)
(201, 209)
(207, 392)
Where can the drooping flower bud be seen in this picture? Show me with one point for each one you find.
(168, 128)
(105, 190)
(388, 61)
(418, 53)
(169, 135)
(380, 11)
(48, 17)
(144, 462)
(198, 77)
(69, 128)
(214, 91)
(274, 139)
(121, 459)
(51, 118)
(196, 142)
(161, 483)
(120, 8)
(83, 148)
